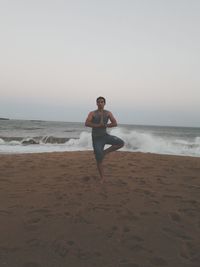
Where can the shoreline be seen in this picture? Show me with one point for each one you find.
(91, 151)
(55, 212)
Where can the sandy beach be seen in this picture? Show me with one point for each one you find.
(55, 213)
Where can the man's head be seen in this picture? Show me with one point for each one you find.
(101, 101)
(101, 98)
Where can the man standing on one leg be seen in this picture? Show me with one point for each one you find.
(99, 120)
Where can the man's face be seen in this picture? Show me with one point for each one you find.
(100, 103)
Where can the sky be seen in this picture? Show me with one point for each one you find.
(143, 56)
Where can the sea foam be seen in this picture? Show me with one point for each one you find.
(135, 141)
(148, 142)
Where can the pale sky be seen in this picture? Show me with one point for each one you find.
(143, 56)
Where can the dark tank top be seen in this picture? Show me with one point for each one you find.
(96, 119)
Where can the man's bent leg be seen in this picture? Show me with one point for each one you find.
(112, 148)
(115, 142)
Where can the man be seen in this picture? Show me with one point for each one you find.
(99, 120)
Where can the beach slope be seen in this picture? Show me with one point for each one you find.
(55, 213)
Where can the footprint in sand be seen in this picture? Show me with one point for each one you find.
(85, 178)
(41, 211)
(34, 220)
(31, 224)
(128, 265)
(121, 182)
(157, 261)
(85, 255)
(110, 234)
(61, 248)
(137, 238)
(172, 196)
(7, 250)
(133, 243)
(190, 251)
(136, 248)
(177, 233)
(82, 255)
(36, 243)
(175, 217)
(142, 182)
(5, 212)
(5, 180)
(126, 229)
(31, 264)
(114, 228)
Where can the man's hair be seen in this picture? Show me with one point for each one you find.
(101, 97)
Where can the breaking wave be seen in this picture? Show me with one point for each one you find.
(135, 141)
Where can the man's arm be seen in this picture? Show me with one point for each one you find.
(89, 122)
(113, 122)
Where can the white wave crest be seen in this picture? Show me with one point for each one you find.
(135, 141)
(147, 142)
(2, 142)
(82, 143)
(14, 143)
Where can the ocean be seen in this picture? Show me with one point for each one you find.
(34, 136)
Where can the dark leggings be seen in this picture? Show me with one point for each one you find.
(100, 141)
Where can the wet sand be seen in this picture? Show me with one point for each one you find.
(54, 212)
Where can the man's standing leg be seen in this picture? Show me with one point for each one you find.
(98, 145)
(101, 171)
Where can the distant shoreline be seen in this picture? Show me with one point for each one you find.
(4, 119)
(120, 124)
